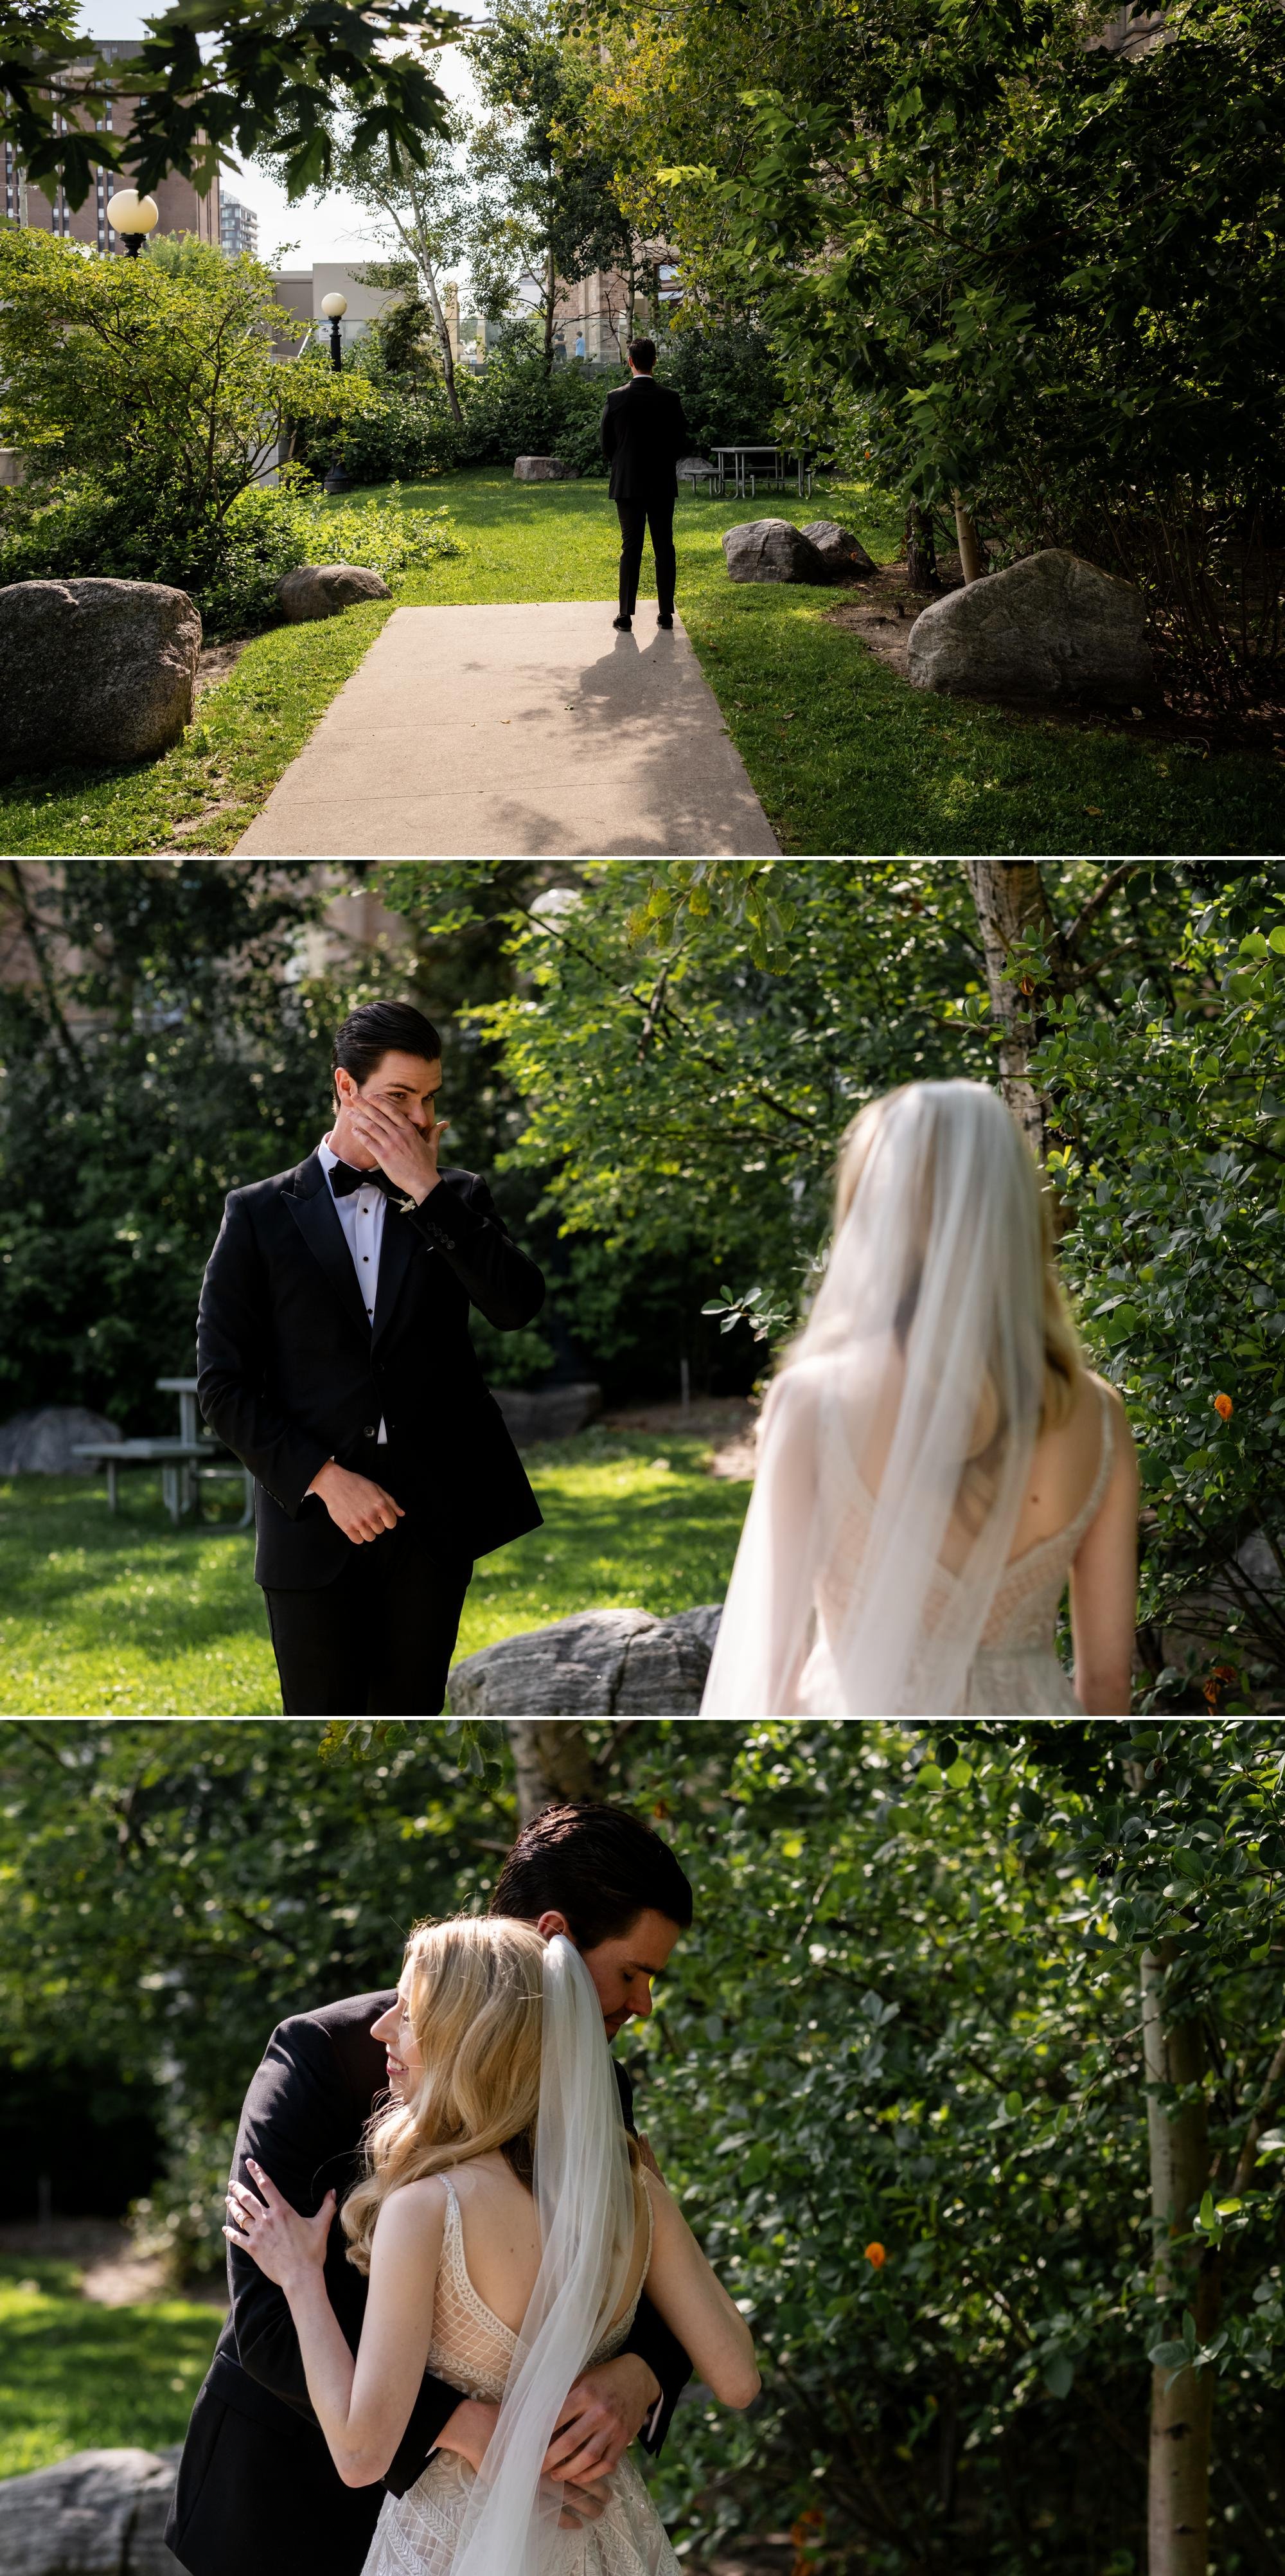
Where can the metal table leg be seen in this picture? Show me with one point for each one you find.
(170, 1491)
(247, 1516)
(111, 1484)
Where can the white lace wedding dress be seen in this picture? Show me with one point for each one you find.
(1015, 1671)
(417, 2533)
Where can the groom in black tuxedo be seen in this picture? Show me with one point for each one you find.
(258, 2493)
(334, 1359)
(643, 433)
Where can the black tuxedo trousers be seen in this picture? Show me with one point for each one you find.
(656, 513)
(257, 2491)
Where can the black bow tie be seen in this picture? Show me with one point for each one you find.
(343, 1179)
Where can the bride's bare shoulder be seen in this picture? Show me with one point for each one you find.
(413, 2214)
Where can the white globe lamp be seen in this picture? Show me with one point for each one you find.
(133, 217)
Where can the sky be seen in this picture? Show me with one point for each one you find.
(330, 229)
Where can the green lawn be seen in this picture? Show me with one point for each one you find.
(845, 756)
(132, 1618)
(78, 2377)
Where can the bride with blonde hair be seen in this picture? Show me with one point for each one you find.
(934, 1457)
(508, 2226)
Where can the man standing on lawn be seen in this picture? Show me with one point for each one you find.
(643, 435)
(335, 1362)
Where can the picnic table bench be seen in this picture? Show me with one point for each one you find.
(184, 1462)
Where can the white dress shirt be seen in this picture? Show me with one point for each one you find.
(361, 1213)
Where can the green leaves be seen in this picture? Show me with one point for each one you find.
(212, 74)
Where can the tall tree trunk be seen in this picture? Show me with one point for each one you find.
(553, 1762)
(970, 544)
(444, 341)
(1181, 2403)
(1012, 905)
(921, 549)
(550, 299)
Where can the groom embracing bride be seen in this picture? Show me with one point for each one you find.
(459, 2287)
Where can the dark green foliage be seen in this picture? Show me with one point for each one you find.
(728, 379)
(195, 1070)
(228, 72)
(228, 566)
(1171, 1160)
(519, 407)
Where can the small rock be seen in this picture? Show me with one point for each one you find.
(94, 2514)
(1048, 628)
(40, 1441)
(94, 670)
(323, 590)
(602, 1663)
(541, 469)
(844, 554)
(772, 550)
(548, 1412)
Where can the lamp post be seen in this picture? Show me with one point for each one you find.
(334, 307)
(133, 217)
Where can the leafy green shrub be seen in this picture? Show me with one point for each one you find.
(510, 1359)
(181, 2218)
(379, 534)
(1171, 1121)
(406, 434)
(230, 566)
(517, 407)
(728, 379)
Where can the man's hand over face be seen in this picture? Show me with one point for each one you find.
(407, 1153)
(604, 2413)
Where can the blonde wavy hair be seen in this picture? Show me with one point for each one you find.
(1063, 1358)
(476, 2003)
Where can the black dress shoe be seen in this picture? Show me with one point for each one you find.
(664, 621)
(624, 625)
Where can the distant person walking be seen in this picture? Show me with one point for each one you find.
(643, 435)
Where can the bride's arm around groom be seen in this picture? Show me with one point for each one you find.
(361, 2402)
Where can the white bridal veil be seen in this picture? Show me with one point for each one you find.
(585, 2201)
(896, 1441)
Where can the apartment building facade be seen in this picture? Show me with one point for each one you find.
(181, 209)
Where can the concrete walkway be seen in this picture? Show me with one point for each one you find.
(524, 731)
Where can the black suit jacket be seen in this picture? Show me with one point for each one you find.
(643, 434)
(291, 1370)
(255, 2465)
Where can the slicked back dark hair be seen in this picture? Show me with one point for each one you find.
(643, 353)
(377, 1029)
(597, 1865)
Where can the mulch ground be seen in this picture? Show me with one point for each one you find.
(882, 608)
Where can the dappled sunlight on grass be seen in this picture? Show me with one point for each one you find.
(130, 1617)
(846, 757)
(82, 2377)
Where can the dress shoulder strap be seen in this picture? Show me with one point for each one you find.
(1092, 1503)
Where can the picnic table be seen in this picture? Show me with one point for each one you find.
(183, 1462)
(775, 461)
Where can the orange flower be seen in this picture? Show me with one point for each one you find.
(1223, 1405)
(875, 2254)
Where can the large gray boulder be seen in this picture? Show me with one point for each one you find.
(843, 554)
(94, 671)
(99, 2513)
(603, 1663)
(324, 590)
(772, 550)
(1049, 628)
(542, 469)
(548, 1412)
(41, 1441)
